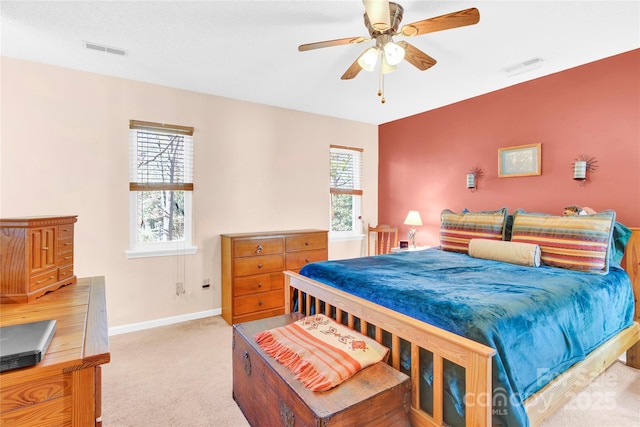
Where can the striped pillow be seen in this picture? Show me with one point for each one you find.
(456, 229)
(573, 242)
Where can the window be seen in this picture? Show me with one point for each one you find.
(161, 188)
(346, 191)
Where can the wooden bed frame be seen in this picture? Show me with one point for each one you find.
(473, 356)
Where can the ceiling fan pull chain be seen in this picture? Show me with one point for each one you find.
(381, 86)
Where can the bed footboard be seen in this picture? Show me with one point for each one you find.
(378, 322)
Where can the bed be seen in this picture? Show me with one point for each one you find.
(461, 371)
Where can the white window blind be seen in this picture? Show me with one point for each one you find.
(346, 170)
(161, 157)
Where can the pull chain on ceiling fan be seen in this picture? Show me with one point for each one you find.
(382, 19)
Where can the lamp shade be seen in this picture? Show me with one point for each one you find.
(580, 170)
(471, 180)
(413, 218)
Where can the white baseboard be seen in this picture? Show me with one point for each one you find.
(133, 327)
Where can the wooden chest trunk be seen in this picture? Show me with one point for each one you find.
(269, 395)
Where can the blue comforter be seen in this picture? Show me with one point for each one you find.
(540, 320)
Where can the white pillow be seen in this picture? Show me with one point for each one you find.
(511, 252)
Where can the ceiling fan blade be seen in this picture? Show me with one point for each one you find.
(416, 57)
(378, 13)
(444, 22)
(353, 70)
(330, 43)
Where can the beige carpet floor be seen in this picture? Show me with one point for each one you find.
(180, 375)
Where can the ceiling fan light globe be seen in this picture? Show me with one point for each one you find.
(393, 53)
(368, 59)
(386, 68)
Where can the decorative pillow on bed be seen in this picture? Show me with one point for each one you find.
(573, 242)
(511, 252)
(456, 229)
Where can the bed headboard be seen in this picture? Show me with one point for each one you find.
(632, 266)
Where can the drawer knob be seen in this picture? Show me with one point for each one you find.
(306, 259)
(259, 249)
(260, 265)
(259, 302)
(307, 243)
(259, 284)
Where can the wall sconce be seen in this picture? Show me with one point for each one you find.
(582, 165)
(474, 175)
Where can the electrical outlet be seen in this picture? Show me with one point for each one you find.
(206, 284)
(179, 288)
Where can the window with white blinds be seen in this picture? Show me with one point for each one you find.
(346, 170)
(346, 190)
(161, 157)
(161, 187)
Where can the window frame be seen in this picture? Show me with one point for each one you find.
(356, 195)
(139, 249)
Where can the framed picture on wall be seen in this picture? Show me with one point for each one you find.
(520, 160)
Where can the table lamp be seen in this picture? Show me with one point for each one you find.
(413, 219)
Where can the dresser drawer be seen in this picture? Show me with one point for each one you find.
(259, 246)
(41, 280)
(65, 244)
(258, 265)
(65, 258)
(65, 231)
(306, 242)
(65, 272)
(257, 302)
(65, 251)
(258, 283)
(297, 260)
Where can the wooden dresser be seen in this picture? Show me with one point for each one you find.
(252, 266)
(64, 389)
(36, 256)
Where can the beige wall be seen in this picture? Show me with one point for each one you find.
(64, 150)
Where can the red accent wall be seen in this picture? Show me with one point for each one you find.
(589, 110)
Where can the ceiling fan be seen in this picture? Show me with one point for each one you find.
(382, 19)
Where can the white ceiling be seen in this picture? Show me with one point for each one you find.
(248, 49)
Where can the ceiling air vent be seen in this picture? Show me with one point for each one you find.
(106, 49)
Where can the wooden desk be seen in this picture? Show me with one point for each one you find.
(65, 387)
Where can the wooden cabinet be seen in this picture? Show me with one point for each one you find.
(64, 389)
(252, 266)
(37, 256)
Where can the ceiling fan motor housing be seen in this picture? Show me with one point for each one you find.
(395, 17)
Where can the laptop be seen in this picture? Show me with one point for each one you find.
(25, 344)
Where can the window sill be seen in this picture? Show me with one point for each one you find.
(347, 238)
(148, 253)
